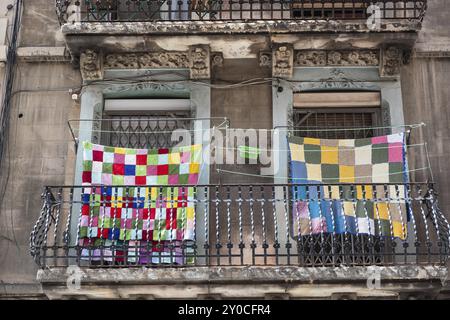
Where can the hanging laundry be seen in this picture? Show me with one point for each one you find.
(125, 202)
(352, 186)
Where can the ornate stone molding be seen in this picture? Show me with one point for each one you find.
(283, 61)
(391, 61)
(91, 65)
(322, 58)
(200, 62)
(147, 60)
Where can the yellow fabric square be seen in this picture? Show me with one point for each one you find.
(364, 192)
(346, 143)
(349, 208)
(329, 155)
(311, 141)
(116, 202)
(119, 150)
(381, 211)
(314, 171)
(190, 213)
(297, 152)
(333, 193)
(174, 158)
(347, 174)
(397, 227)
(194, 168)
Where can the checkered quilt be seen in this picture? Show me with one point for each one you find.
(352, 186)
(128, 198)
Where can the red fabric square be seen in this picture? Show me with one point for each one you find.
(97, 156)
(118, 169)
(144, 235)
(141, 159)
(163, 170)
(145, 214)
(171, 217)
(104, 233)
(141, 181)
(85, 210)
(163, 151)
(152, 213)
(87, 177)
(116, 213)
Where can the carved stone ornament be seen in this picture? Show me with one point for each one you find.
(147, 60)
(392, 58)
(322, 58)
(265, 59)
(283, 61)
(200, 62)
(217, 59)
(91, 65)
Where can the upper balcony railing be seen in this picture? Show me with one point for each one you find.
(238, 225)
(70, 11)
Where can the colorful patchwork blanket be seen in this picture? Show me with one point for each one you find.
(352, 186)
(125, 202)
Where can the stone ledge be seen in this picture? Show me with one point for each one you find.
(244, 274)
(224, 27)
(43, 54)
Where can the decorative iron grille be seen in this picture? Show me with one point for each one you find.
(235, 10)
(245, 225)
(144, 131)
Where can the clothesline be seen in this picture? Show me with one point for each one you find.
(290, 178)
(350, 148)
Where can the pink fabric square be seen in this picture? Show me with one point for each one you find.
(84, 221)
(97, 147)
(193, 178)
(152, 170)
(107, 179)
(173, 179)
(141, 151)
(379, 140)
(119, 158)
(396, 152)
(93, 222)
(319, 225)
(185, 157)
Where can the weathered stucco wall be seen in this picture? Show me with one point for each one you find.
(39, 150)
(425, 83)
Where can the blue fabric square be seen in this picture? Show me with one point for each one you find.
(130, 170)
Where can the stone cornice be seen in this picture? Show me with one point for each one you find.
(223, 27)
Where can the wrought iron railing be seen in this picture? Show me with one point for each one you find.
(237, 225)
(236, 10)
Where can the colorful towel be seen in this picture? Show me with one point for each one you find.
(362, 202)
(154, 219)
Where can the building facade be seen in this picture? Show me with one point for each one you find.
(127, 74)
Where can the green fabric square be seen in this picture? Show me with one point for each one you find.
(109, 149)
(380, 153)
(330, 173)
(83, 232)
(87, 165)
(385, 227)
(183, 179)
(130, 151)
(116, 223)
(396, 172)
(141, 170)
(152, 159)
(312, 154)
(87, 145)
(152, 152)
(174, 168)
(363, 142)
(107, 167)
(163, 180)
(117, 180)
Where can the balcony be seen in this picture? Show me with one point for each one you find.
(237, 226)
(234, 10)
